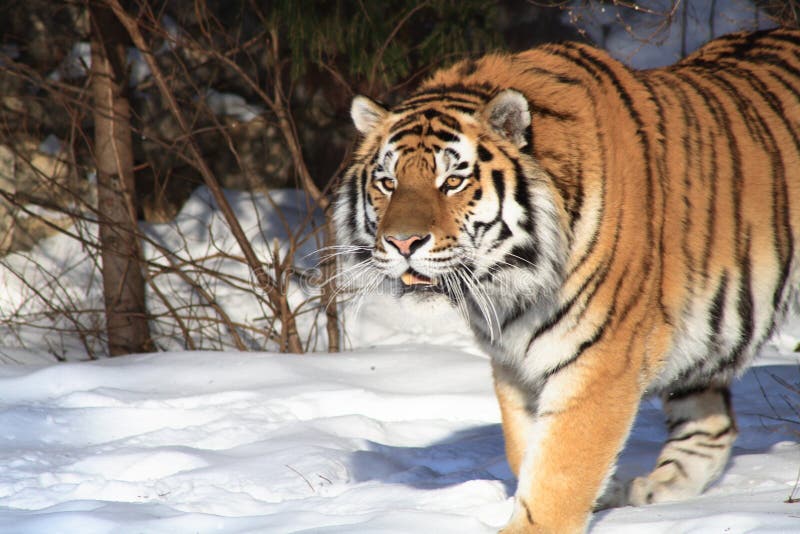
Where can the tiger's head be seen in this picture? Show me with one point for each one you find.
(441, 195)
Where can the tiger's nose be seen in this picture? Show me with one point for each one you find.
(407, 245)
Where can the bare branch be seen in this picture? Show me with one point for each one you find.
(268, 285)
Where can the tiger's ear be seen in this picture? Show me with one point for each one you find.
(366, 113)
(508, 114)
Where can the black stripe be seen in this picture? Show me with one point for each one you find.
(576, 200)
(560, 78)
(690, 452)
(500, 187)
(527, 511)
(604, 271)
(449, 122)
(471, 97)
(598, 274)
(523, 256)
(745, 305)
(416, 130)
(782, 35)
(672, 424)
(717, 309)
(790, 90)
(704, 434)
(518, 309)
(745, 43)
(712, 445)
(475, 91)
(759, 132)
(505, 233)
(674, 462)
(661, 166)
(552, 113)
(687, 437)
(438, 96)
(714, 107)
(466, 106)
(749, 113)
(692, 160)
(467, 67)
(562, 52)
(521, 193)
(681, 394)
(351, 190)
(369, 226)
(784, 228)
(445, 136)
(593, 64)
(588, 343)
(772, 59)
(405, 121)
(784, 241)
(462, 109)
(483, 154)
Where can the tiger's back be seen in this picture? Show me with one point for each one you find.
(680, 178)
(656, 214)
(736, 240)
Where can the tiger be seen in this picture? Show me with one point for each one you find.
(609, 234)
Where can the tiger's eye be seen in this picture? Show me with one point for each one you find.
(388, 184)
(453, 181)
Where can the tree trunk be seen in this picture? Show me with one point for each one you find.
(275, 289)
(123, 282)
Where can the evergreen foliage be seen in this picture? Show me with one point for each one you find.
(389, 39)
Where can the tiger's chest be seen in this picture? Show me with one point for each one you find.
(715, 331)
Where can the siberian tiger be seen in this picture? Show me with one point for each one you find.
(609, 233)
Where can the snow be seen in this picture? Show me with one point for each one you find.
(76, 63)
(387, 439)
(53, 146)
(59, 273)
(652, 36)
(232, 105)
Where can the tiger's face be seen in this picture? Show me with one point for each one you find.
(441, 196)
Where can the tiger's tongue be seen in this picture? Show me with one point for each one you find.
(411, 278)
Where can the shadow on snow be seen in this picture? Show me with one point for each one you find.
(764, 415)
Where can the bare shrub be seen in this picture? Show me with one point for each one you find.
(202, 286)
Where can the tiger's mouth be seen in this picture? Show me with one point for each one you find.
(413, 278)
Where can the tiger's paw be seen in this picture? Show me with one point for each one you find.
(522, 529)
(538, 529)
(648, 490)
(521, 524)
(524, 524)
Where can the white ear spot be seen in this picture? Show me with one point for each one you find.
(508, 114)
(366, 114)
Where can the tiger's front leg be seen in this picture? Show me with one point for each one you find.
(517, 412)
(582, 418)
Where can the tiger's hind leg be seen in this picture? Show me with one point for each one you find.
(702, 430)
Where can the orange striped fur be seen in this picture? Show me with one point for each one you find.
(607, 232)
